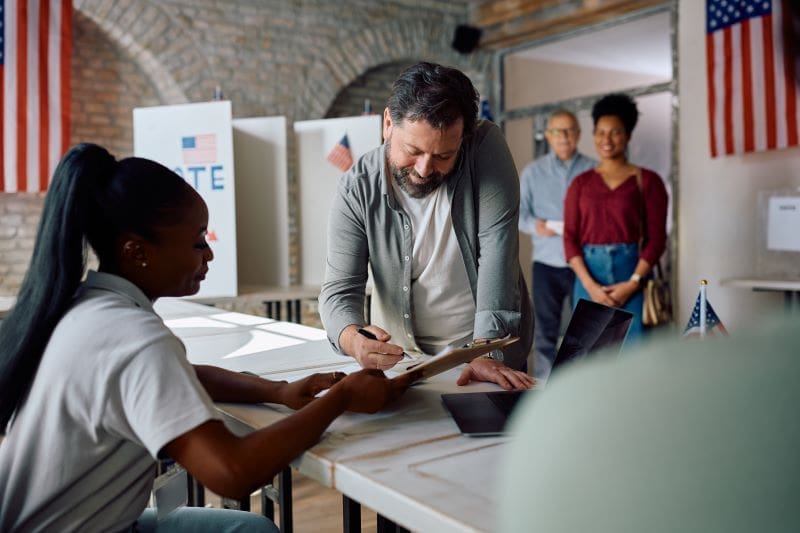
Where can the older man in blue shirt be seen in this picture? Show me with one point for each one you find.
(543, 185)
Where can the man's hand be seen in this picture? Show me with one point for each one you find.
(485, 369)
(543, 230)
(369, 353)
(298, 393)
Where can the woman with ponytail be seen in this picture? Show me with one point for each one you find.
(94, 387)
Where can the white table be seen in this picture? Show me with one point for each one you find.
(409, 462)
(789, 288)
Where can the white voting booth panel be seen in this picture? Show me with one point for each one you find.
(262, 200)
(196, 141)
(318, 180)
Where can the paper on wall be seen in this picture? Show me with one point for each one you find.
(783, 220)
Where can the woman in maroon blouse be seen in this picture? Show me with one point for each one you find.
(614, 222)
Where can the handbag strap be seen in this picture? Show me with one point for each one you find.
(642, 213)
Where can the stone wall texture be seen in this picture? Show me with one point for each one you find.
(304, 59)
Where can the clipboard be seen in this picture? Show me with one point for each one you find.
(453, 357)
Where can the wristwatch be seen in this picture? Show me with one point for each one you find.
(636, 277)
(496, 355)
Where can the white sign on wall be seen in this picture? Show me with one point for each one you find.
(783, 220)
(196, 141)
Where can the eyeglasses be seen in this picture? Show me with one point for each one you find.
(565, 132)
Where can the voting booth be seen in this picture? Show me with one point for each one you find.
(249, 215)
(260, 161)
(196, 141)
(318, 179)
(239, 167)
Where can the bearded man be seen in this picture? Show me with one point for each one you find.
(432, 216)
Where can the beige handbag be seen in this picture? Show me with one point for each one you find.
(657, 307)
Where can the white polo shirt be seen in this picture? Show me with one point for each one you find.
(112, 389)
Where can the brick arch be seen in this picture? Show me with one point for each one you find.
(138, 28)
(397, 41)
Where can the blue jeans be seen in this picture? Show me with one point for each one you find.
(613, 263)
(204, 520)
(551, 287)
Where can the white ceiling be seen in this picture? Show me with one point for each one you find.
(641, 46)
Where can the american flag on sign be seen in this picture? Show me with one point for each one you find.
(35, 47)
(199, 149)
(752, 76)
(340, 155)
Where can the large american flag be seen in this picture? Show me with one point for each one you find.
(35, 45)
(752, 76)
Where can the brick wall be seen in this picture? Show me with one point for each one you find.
(106, 85)
(19, 216)
(304, 60)
(374, 85)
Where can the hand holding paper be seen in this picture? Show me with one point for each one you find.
(555, 225)
(451, 358)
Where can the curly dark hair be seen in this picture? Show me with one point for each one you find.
(619, 105)
(437, 94)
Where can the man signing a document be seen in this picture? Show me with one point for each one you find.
(432, 214)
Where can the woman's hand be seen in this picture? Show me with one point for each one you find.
(369, 390)
(602, 295)
(298, 393)
(621, 292)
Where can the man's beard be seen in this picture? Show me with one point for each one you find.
(402, 177)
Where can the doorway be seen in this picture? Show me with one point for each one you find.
(635, 55)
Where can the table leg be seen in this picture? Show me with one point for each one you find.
(351, 515)
(197, 493)
(387, 526)
(269, 495)
(791, 301)
(285, 500)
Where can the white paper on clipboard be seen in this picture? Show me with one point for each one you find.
(453, 357)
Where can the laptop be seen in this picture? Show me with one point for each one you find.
(591, 328)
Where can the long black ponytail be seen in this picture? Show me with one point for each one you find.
(92, 198)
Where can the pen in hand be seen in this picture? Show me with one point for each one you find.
(368, 334)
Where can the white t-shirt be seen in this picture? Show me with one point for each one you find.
(442, 301)
(112, 389)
